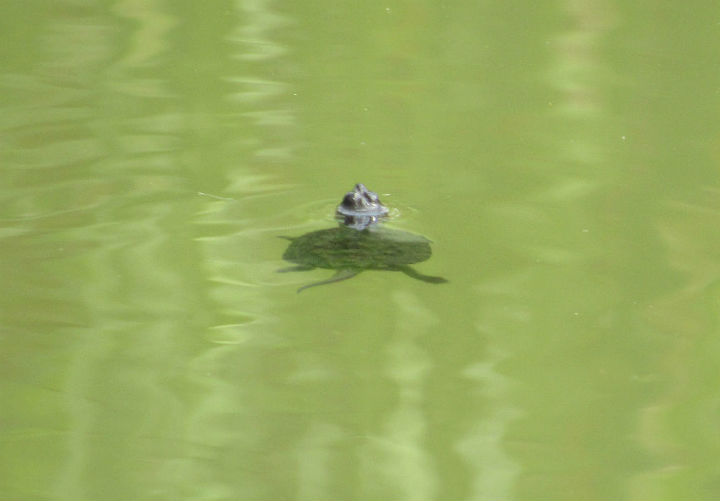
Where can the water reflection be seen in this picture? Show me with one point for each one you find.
(150, 349)
(108, 145)
(396, 458)
(684, 322)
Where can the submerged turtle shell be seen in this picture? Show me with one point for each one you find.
(345, 248)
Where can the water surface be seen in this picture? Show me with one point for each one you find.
(562, 158)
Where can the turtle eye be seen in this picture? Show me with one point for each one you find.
(349, 200)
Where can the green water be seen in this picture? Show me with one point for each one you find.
(563, 158)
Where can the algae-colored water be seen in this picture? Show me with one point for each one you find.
(564, 160)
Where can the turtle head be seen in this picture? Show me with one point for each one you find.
(360, 207)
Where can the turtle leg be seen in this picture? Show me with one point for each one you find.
(300, 267)
(419, 276)
(337, 277)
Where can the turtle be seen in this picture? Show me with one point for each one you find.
(350, 251)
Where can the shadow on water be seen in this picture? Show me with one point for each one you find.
(350, 251)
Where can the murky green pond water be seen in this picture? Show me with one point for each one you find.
(564, 159)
